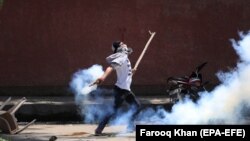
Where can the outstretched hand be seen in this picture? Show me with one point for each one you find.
(97, 82)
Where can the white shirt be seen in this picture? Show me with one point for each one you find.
(123, 69)
(124, 75)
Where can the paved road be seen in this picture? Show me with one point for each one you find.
(64, 109)
(58, 108)
(43, 131)
(69, 132)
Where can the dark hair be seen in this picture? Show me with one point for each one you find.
(115, 45)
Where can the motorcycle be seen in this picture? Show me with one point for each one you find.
(186, 86)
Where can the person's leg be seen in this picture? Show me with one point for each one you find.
(135, 107)
(103, 123)
(119, 98)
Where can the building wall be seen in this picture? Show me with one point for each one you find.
(42, 43)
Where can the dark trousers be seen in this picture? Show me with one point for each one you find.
(120, 96)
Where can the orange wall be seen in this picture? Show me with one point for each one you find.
(42, 43)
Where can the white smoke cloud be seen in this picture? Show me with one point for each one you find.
(123, 117)
(91, 100)
(82, 79)
(89, 104)
(226, 104)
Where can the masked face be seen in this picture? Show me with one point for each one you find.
(123, 45)
(122, 48)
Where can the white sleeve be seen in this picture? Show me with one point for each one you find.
(116, 60)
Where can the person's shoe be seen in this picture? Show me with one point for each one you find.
(98, 132)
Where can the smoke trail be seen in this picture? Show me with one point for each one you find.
(83, 78)
(91, 100)
(226, 104)
(87, 97)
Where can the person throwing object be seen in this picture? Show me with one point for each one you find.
(119, 62)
